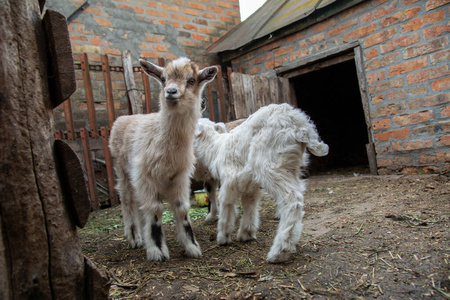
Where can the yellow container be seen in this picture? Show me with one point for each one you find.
(201, 198)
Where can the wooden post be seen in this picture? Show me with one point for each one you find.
(69, 120)
(230, 92)
(89, 168)
(132, 93)
(108, 90)
(161, 62)
(148, 94)
(59, 134)
(210, 102)
(109, 166)
(223, 114)
(89, 95)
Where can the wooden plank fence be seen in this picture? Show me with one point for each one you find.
(94, 132)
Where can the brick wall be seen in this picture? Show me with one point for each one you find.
(407, 65)
(153, 29)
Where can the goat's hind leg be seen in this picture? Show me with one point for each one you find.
(132, 218)
(227, 214)
(250, 217)
(290, 226)
(211, 191)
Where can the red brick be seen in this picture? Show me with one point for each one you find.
(371, 53)
(440, 56)
(435, 31)
(386, 60)
(300, 54)
(384, 10)
(412, 145)
(190, 27)
(381, 124)
(391, 109)
(164, 6)
(445, 140)
(283, 51)
(428, 74)
(413, 118)
(399, 134)
(432, 129)
(386, 85)
(432, 4)
(190, 11)
(391, 20)
(360, 32)
(156, 13)
(425, 48)
(180, 17)
(93, 10)
(430, 18)
(324, 25)
(82, 38)
(152, 39)
(136, 9)
(161, 48)
(98, 41)
(226, 19)
(445, 111)
(377, 99)
(377, 76)
(380, 37)
(216, 10)
(342, 28)
(209, 15)
(254, 70)
(103, 22)
(152, 54)
(400, 42)
(200, 37)
(395, 95)
(224, 4)
(317, 38)
(196, 6)
(208, 31)
(234, 13)
(412, 12)
(408, 66)
(295, 37)
(429, 101)
(440, 84)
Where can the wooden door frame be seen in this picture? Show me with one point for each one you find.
(347, 52)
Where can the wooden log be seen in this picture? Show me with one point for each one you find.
(210, 102)
(89, 168)
(89, 95)
(108, 90)
(134, 97)
(69, 120)
(40, 250)
(109, 166)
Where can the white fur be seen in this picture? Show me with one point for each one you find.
(153, 158)
(267, 151)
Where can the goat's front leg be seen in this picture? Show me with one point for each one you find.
(155, 242)
(250, 217)
(179, 200)
(211, 190)
(227, 214)
(290, 226)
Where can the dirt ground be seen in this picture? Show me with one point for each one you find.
(384, 237)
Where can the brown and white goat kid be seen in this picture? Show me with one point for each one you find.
(154, 158)
(267, 151)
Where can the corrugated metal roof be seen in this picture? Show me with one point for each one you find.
(273, 15)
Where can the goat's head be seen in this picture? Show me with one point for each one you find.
(182, 81)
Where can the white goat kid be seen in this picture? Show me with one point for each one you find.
(154, 158)
(267, 151)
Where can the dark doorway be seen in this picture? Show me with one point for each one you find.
(331, 97)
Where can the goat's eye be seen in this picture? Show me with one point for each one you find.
(191, 81)
(163, 80)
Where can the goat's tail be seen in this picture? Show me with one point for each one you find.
(309, 136)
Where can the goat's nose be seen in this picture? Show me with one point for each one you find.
(171, 91)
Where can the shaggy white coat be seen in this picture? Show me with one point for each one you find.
(153, 158)
(266, 151)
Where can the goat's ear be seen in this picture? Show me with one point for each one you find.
(207, 74)
(152, 70)
(199, 129)
(220, 127)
